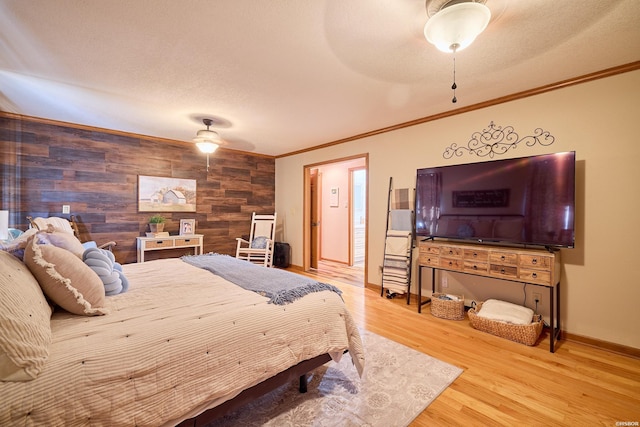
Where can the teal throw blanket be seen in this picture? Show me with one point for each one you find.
(282, 287)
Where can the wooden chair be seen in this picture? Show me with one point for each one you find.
(260, 246)
(69, 226)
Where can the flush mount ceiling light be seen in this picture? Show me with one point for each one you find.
(454, 24)
(207, 140)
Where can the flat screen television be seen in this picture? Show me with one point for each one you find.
(521, 201)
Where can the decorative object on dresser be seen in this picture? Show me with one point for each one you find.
(537, 267)
(187, 227)
(156, 223)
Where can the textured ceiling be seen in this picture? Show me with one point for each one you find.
(278, 76)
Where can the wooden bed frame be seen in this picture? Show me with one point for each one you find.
(298, 371)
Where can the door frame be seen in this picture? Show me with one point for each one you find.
(317, 232)
(306, 215)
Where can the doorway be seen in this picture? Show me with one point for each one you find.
(335, 217)
(358, 215)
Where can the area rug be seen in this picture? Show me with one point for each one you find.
(397, 385)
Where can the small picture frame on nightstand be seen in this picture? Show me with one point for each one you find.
(187, 227)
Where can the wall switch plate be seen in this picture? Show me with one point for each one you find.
(66, 209)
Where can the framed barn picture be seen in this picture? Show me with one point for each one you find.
(160, 194)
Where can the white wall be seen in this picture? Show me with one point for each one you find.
(599, 120)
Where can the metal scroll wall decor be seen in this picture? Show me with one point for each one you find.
(498, 140)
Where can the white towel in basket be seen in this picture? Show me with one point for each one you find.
(494, 309)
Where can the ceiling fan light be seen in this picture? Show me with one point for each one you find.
(207, 147)
(455, 27)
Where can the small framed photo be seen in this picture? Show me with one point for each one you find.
(187, 226)
(334, 197)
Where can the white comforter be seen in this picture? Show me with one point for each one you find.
(180, 341)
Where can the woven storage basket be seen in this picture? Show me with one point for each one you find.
(447, 309)
(524, 334)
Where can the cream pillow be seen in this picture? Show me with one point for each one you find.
(62, 240)
(59, 224)
(25, 325)
(66, 279)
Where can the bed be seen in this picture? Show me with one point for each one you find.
(179, 346)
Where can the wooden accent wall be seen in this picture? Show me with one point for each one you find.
(47, 164)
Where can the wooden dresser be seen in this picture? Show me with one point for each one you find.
(532, 266)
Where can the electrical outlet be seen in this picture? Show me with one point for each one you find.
(444, 281)
(66, 209)
(537, 297)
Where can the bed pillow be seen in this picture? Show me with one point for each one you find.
(62, 240)
(58, 224)
(66, 279)
(25, 325)
(259, 242)
(110, 272)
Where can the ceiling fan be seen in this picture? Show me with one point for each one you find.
(207, 140)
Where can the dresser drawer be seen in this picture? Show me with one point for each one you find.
(534, 261)
(426, 248)
(187, 242)
(504, 271)
(452, 251)
(503, 258)
(535, 276)
(451, 263)
(429, 259)
(475, 266)
(150, 244)
(476, 255)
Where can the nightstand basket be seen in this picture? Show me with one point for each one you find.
(523, 334)
(447, 309)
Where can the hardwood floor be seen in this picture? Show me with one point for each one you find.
(505, 383)
(352, 275)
